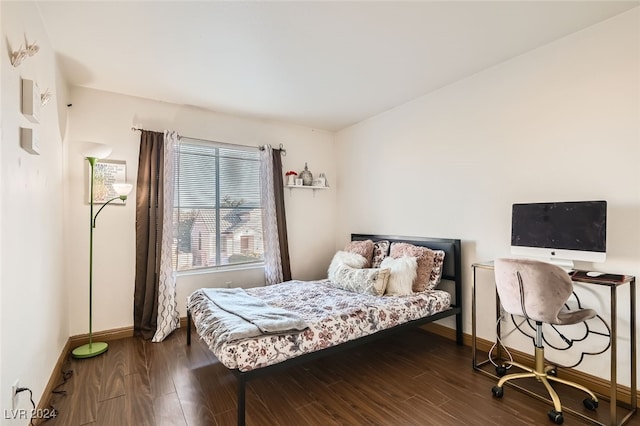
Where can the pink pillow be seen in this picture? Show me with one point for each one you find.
(426, 259)
(363, 248)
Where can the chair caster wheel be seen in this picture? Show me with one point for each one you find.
(590, 404)
(555, 417)
(497, 391)
(501, 370)
(553, 372)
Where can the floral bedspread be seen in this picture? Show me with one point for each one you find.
(334, 316)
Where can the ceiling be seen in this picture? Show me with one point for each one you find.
(325, 65)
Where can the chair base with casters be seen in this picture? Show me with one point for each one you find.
(543, 374)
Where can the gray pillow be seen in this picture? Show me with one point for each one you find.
(371, 281)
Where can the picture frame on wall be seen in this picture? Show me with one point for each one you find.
(106, 173)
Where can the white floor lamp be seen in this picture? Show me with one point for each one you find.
(93, 152)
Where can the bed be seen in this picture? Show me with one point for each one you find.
(334, 319)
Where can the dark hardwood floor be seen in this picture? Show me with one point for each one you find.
(413, 378)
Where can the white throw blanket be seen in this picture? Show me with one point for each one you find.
(243, 316)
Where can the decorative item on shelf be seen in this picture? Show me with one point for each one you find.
(321, 181)
(291, 177)
(298, 182)
(18, 56)
(306, 176)
(92, 152)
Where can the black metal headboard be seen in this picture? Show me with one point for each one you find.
(452, 269)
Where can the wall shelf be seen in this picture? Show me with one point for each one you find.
(306, 187)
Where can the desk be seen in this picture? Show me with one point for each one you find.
(613, 393)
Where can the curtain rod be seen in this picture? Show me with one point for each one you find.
(282, 149)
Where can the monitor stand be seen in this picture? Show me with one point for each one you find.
(566, 264)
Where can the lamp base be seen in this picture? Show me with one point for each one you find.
(89, 350)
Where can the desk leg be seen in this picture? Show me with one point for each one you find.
(473, 322)
(634, 374)
(498, 327)
(613, 403)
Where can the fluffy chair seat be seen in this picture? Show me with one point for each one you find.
(538, 291)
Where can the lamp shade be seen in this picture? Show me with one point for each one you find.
(95, 150)
(122, 188)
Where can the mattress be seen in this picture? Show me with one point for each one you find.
(334, 316)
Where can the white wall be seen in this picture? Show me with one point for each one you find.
(33, 304)
(559, 123)
(107, 117)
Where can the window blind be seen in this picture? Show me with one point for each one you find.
(217, 206)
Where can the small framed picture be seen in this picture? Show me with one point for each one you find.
(106, 173)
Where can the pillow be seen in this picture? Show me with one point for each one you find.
(380, 251)
(353, 260)
(403, 273)
(425, 258)
(363, 248)
(366, 281)
(436, 272)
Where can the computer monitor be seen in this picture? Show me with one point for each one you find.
(560, 232)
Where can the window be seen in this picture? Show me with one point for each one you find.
(217, 210)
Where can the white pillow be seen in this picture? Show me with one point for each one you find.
(403, 272)
(353, 260)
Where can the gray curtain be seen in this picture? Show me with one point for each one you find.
(274, 226)
(149, 207)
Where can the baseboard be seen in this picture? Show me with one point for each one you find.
(597, 384)
(54, 380)
(102, 336)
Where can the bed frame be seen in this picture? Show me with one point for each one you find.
(451, 272)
